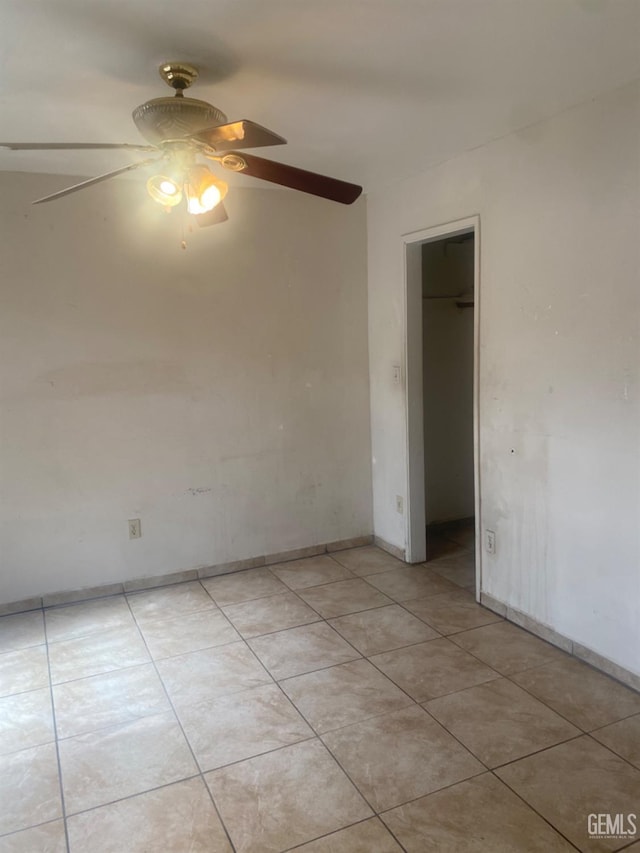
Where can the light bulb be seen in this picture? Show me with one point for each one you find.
(164, 190)
(193, 205)
(210, 197)
(168, 187)
(203, 190)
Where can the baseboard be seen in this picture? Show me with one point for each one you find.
(389, 548)
(137, 584)
(539, 629)
(577, 650)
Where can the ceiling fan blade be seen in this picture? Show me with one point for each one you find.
(238, 134)
(297, 179)
(97, 180)
(212, 217)
(69, 146)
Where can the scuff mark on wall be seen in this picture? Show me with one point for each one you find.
(133, 378)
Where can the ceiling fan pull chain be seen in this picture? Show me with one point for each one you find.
(183, 243)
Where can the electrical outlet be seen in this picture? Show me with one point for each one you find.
(399, 504)
(134, 528)
(490, 541)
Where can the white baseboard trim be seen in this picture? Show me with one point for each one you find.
(568, 645)
(136, 584)
(389, 548)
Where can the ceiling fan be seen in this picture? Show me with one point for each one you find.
(180, 130)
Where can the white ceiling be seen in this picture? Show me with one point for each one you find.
(365, 90)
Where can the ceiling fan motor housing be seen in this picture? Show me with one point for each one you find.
(173, 118)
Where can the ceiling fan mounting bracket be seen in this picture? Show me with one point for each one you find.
(178, 75)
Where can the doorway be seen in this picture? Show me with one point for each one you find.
(443, 496)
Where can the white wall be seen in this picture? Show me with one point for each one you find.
(447, 331)
(559, 362)
(219, 394)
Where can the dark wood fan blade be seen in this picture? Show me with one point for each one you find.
(238, 134)
(212, 217)
(97, 180)
(72, 146)
(299, 179)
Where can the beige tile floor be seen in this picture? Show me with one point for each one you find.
(338, 704)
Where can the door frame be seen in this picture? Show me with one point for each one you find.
(415, 517)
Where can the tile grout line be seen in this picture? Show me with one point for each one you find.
(613, 723)
(486, 771)
(55, 735)
(505, 763)
(342, 829)
(489, 772)
(278, 631)
(613, 752)
(307, 671)
(415, 703)
(393, 835)
(200, 773)
(629, 845)
(313, 736)
(13, 832)
(348, 775)
(271, 751)
(288, 591)
(323, 553)
(377, 812)
(317, 736)
(542, 701)
(113, 725)
(151, 661)
(421, 705)
(277, 682)
(507, 677)
(582, 730)
(391, 603)
(320, 734)
(515, 683)
(358, 655)
(533, 809)
(411, 702)
(159, 582)
(495, 616)
(326, 619)
(536, 752)
(273, 683)
(133, 796)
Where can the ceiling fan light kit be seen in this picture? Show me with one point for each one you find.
(193, 182)
(179, 130)
(203, 190)
(165, 190)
